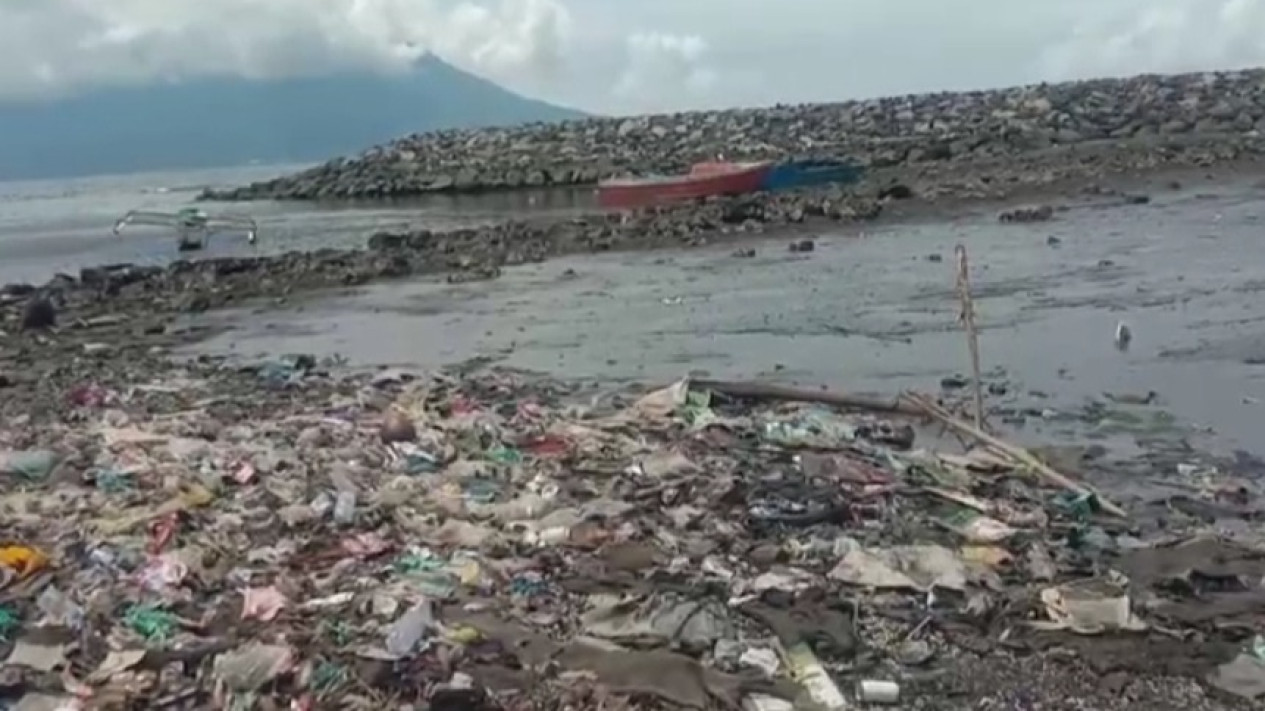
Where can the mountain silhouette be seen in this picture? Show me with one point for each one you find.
(221, 122)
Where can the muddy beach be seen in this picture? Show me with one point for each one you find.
(191, 516)
(871, 306)
(479, 251)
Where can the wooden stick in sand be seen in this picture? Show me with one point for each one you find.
(1005, 449)
(967, 317)
(769, 391)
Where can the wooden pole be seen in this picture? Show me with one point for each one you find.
(769, 391)
(967, 318)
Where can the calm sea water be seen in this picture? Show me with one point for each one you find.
(51, 226)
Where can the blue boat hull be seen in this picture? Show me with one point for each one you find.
(806, 174)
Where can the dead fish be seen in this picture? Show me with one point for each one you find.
(1123, 336)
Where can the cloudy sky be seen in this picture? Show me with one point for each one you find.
(618, 56)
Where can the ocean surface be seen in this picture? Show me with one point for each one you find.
(52, 226)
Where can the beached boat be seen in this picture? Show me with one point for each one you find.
(193, 226)
(808, 173)
(704, 180)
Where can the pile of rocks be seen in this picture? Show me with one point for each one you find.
(897, 131)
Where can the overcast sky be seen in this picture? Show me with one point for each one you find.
(618, 56)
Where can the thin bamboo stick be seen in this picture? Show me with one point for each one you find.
(1014, 452)
(770, 391)
(967, 318)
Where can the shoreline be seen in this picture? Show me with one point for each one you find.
(129, 312)
(478, 253)
(910, 132)
(256, 455)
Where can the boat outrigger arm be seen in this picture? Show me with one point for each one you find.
(193, 226)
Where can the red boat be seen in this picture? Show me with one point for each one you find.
(703, 180)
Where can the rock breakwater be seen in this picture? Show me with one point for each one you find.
(907, 131)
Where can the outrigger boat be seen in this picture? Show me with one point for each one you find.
(193, 226)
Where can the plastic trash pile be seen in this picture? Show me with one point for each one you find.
(496, 541)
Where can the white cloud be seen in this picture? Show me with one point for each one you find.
(665, 70)
(1168, 36)
(54, 46)
(626, 55)
(518, 35)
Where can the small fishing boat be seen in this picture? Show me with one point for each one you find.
(192, 225)
(704, 180)
(808, 173)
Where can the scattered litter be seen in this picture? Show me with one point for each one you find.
(29, 465)
(23, 561)
(116, 662)
(427, 541)
(1089, 607)
(766, 660)
(980, 529)
(902, 567)
(262, 604)
(808, 671)
(1243, 676)
(250, 667)
(878, 692)
(404, 636)
(40, 657)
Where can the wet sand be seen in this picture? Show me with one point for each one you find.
(865, 311)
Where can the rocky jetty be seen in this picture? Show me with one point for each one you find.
(909, 131)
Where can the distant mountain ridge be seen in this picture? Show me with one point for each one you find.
(210, 123)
